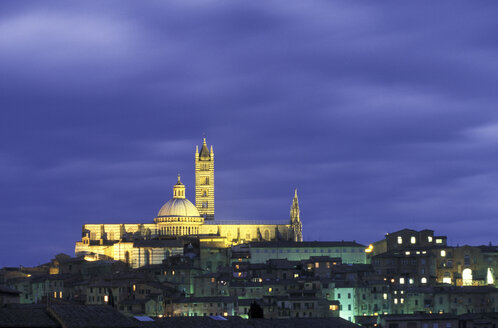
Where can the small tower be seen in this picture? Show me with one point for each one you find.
(179, 189)
(204, 181)
(295, 217)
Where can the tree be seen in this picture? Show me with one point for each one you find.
(255, 311)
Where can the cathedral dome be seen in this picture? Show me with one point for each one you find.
(178, 207)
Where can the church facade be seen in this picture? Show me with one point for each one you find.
(149, 243)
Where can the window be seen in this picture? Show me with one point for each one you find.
(204, 204)
(401, 281)
(349, 307)
(466, 260)
(439, 241)
(429, 239)
(339, 295)
(423, 280)
(413, 240)
(384, 296)
(443, 253)
(400, 240)
(467, 277)
(349, 295)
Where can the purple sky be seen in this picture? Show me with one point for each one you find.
(383, 114)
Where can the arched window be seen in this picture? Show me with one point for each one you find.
(267, 235)
(467, 277)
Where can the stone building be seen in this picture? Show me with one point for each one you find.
(178, 219)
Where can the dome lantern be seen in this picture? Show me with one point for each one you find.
(179, 189)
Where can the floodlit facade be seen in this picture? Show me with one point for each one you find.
(142, 243)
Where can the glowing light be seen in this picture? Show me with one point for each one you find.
(106, 298)
(270, 289)
(369, 249)
(60, 294)
(225, 314)
(134, 287)
(333, 307)
(443, 253)
(89, 258)
(467, 277)
(490, 279)
(423, 280)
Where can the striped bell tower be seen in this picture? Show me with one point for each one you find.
(204, 181)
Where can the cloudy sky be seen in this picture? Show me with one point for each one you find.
(383, 114)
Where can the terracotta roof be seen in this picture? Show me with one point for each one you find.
(26, 316)
(237, 322)
(83, 316)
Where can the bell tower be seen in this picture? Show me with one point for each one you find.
(204, 181)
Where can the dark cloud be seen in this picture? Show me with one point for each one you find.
(383, 115)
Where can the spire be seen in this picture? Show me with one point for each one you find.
(204, 154)
(294, 212)
(295, 217)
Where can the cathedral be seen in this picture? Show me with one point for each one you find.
(179, 220)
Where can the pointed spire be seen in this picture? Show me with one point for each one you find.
(295, 217)
(204, 154)
(179, 181)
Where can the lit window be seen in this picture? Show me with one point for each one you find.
(296, 275)
(439, 241)
(400, 240)
(333, 307)
(429, 239)
(384, 296)
(395, 301)
(401, 281)
(423, 280)
(413, 240)
(317, 265)
(270, 289)
(106, 298)
(447, 280)
(467, 277)
(402, 300)
(443, 253)
(410, 281)
(60, 294)
(407, 253)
